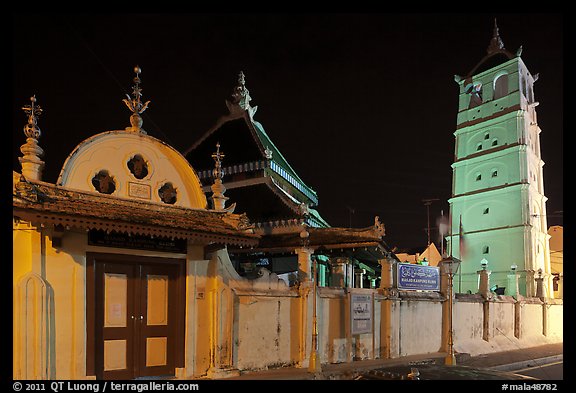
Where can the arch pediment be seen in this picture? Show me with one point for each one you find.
(135, 166)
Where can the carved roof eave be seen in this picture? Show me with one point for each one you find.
(282, 248)
(286, 198)
(48, 203)
(326, 238)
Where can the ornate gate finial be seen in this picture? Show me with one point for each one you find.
(135, 104)
(31, 163)
(218, 188)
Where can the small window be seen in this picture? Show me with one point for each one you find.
(487, 210)
(138, 167)
(475, 92)
(501, 86)
(167, 193)
(495, 142)
(487, 136)
(494, 173)
(103, 182)
(479, 147)
(479, 177)
(485, 250)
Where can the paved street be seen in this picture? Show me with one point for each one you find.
(549, 372)
(525, 358)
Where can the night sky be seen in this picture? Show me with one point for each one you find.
(363, 106)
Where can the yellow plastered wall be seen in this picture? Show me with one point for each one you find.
(49, 324)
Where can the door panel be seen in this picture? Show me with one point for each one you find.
(115, 311)
(158, 308)
(136, 318)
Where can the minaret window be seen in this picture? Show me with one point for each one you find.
(495, 142)
(494, 173)
(103, 182)
(487, 136)
(478, 177)
(501, 86)
(487, 210)
(479, 147)
(485, 250)
(475, 92)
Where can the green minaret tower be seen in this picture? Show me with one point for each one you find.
(498, 206)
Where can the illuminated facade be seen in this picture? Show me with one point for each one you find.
(110, 263)
(258, 178)
(498, 205)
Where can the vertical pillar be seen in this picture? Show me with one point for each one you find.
(540, 292)
(445, 312)
(339, 272)
(388, 323)
(561, 286)
(530, 283)
(386, 275)
(221, 309)
(373, 282)
(484, 283)
(33, 330)
(512, 285)
(350, 274)
(304, 262)
(321, 275)
(359, 278)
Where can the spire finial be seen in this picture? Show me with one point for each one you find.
(135, 104)
(31, 129)
(218, 157)
(496, 43)
(31, 163)
(240, 98)
(218, 189)
(240, 94)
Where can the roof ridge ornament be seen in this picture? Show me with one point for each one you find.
(135, 104)
(379, 227)
(496, 43)
(31, 163)
(240, 98)
(218, 189)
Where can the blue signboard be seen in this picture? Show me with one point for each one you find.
(417, 277)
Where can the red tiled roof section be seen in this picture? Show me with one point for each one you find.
(323, 236)
(45, 198)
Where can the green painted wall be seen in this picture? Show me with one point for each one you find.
(497, 185)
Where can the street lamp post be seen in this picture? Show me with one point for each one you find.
(450, 266)
(314, 364)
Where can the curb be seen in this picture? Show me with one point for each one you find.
(528, 363)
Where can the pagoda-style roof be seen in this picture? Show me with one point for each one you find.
(496, 54)
(250, 154)
(366, 245)
(37, 201)
(332, 238)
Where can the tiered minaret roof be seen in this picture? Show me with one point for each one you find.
(253, 161)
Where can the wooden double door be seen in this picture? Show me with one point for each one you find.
(138, 316)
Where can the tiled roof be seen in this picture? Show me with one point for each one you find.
(326, 237)
(58, 205)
